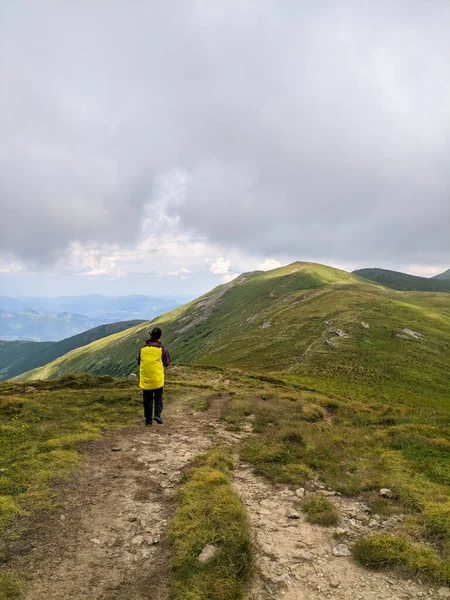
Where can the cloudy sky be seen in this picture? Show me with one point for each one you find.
(163, 147)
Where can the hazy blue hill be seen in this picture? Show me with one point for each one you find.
(28, 324)
(403, 281)
(445, 275)
(19, 356)
(311, 324)
(54, 319)
(104, 309)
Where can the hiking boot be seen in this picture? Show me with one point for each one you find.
(159, 420)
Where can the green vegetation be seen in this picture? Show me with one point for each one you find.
(210, 512)
(405, 282)
(42, 428)
(20, 356)
(320, 510)
(17, 351)
(340, 381)
(382, 551)
(356, 449)
(314, 326)
(10, 587)
(299, 435)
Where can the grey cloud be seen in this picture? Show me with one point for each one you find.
(309, 129)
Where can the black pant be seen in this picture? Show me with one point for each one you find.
(149, 396)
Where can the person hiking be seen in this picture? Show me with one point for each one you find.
(152, 359)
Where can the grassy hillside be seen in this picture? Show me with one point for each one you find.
(445, 275)
(405, 282)
(18, 350)
(317, 326)
(19, 356)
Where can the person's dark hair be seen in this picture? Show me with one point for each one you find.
(155, 334)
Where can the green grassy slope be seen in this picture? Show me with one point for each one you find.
(18, 350)
(317, 326)
(445, 275)
(18, 356)
(405, 282)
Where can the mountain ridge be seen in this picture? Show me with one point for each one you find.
(19, 356)
(445, 275)
(313, 324)
(404, 282)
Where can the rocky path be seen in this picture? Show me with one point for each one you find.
(297, 561)
(109, 540)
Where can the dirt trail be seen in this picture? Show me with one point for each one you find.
(109, 542)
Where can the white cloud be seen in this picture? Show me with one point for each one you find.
(269, 264)
(220, 266)
(10, 266)
(181, 273)
(425, 270)
(228, 277)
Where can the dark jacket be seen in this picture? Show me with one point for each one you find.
(165, 353)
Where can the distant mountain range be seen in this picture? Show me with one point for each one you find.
(402, 281)
(28, 324)
(19, 356)
(53, 319)
(313, 325)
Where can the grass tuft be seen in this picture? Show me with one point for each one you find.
(10, 587)
(437, 524)
(320, 511)
(382, 551)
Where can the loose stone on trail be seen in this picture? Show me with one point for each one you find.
(387, 493)
(341, 550)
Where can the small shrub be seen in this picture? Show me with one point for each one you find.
(320, 511)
